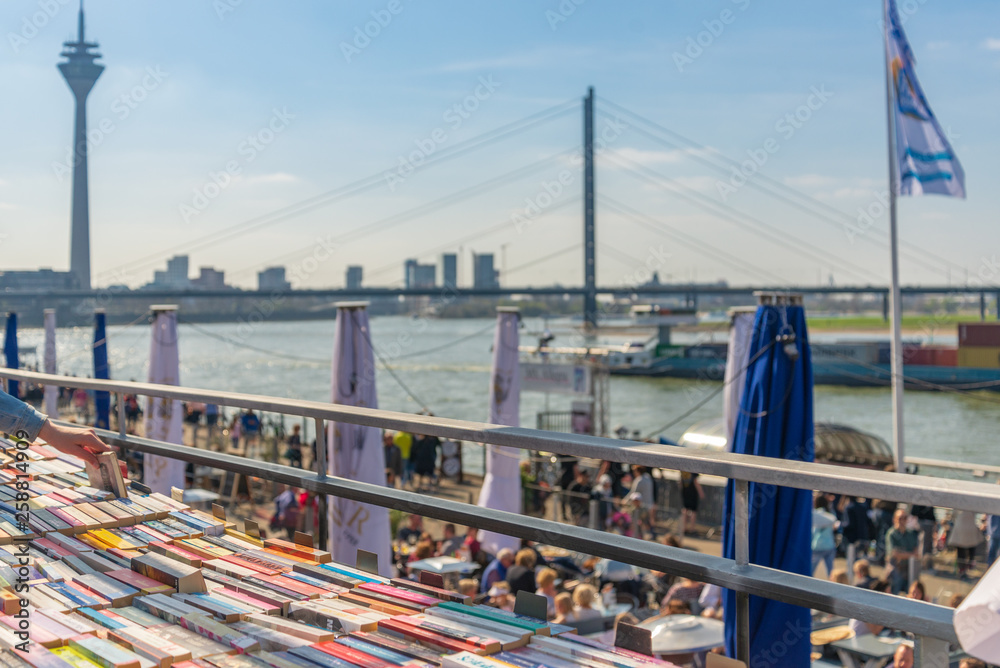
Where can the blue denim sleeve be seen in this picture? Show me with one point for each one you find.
(18, 418)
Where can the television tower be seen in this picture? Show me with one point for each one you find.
(81, 73)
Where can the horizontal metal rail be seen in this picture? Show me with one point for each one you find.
(922, 619)
(923, 490)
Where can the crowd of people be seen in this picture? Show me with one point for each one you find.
(901, 538)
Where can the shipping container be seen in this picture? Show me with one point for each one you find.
(863, 353)
(979, 357)
(930, 355)
(979, 334)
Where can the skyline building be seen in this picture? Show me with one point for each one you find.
(355, 275)
(449, 270)
(484, 275)
(81, 73)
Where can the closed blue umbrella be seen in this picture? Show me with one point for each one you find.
(775, 420)
(102, 400)
(10, 351)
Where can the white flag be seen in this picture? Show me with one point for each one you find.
(355, 452)
(925, 160)
(51, 391)
(163, 416)
(502, 484)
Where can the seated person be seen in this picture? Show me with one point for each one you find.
(583, 602)
(468, 586)
(564, 609)
(675, 606)
(546, 579)
(903, 658)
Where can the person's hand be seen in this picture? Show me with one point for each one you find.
(79, 442)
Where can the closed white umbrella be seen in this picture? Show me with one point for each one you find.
(355, 452)
(502, 484)
(51, 395)
(163, 416)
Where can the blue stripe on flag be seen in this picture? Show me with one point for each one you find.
(929, 157)
(928, 177)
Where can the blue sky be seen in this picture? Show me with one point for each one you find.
(188, 82)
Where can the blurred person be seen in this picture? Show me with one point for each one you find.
(393, 458)
(251, 433)
(685, 589)
(675, 606)
(839, 575)
(824, 543)
(451, 543)
(286, 511)
(927, 522)
(903, 658)
(710, 601)
(496, 570)
(604, 493)
(862, 574)
(521, 576)
(965, 537)
(993, 534)
(468, 587)
(546, 581)
(404, 442)
(621, 519)
(423, 550)
(969, 662)
(424, 456)
(583, 602)
(471, 545)
(579, 498)
(883, 513)
(294, 452)
(235, 431)
(564, 609)
(500, 597)
(691, 496)
(643, 492)
(954, 600)
(901, 543)
(917, 592)
(410, 532)
(856, 526)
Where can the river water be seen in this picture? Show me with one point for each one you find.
(445, 364)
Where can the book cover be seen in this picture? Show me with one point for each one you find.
(199, 646)
(401, 629)
(329, 619)
(104, 652)
(184, 579)
(270, 640)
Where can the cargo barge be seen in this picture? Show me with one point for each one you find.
(972, 365)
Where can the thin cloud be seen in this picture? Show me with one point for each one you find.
(992, 44)
(276, 177)
(535, 59)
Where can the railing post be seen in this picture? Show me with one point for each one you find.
(120, 398)
(595, 509)
(930, 652)
(742, 529)
(852, 556)
(912, 570)
(322, 471)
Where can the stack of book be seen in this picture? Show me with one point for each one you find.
(97, 575)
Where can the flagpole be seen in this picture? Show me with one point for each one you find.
(896, 345)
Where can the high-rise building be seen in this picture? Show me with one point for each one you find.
(175, 276)
(426, 276)
(272, 278)
(209, 278)
(419, 275)
(355, 274)
(449, 270)
(484, 275)
(81, 73)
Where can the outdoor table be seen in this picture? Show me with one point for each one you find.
(866, 651)
(685, 634)
(444, 565)
(199, 497)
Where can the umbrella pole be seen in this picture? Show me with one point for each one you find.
(896, 349)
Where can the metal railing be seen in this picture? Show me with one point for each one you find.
(930, 624)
